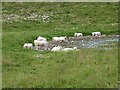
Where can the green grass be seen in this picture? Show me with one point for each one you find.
(84, 68)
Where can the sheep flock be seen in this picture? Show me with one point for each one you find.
(42, 44)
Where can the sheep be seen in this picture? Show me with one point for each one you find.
(28, 45)
(40, 43)
(56, 39)
(96, 33)
(57, 48)
(69, 49)
(41, 38)
(59, 39)
(78, 34)
(63, 38)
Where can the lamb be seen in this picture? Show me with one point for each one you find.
(40, 43)
(28, 45)
(96, 33)
(57, 48)
(59, 39)
(69, 49)
(78, 34)
(41, 38)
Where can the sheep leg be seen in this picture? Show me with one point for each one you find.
(36, 47)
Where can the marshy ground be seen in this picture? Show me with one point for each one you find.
(102, 42)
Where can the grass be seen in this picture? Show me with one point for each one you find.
(84, 68)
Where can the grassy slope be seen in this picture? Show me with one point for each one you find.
(84, 68)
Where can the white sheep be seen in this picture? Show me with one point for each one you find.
(69, 49)
(96, 33)
(41, 38)
(78, 34)
(40, 43)
(57, 48)
(64, 38)
(59, 39)
(28, 45)
(56, 39)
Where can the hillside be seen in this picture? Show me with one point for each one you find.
(23, 22)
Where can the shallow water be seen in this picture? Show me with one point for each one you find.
(98, 43)
(92, 43)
